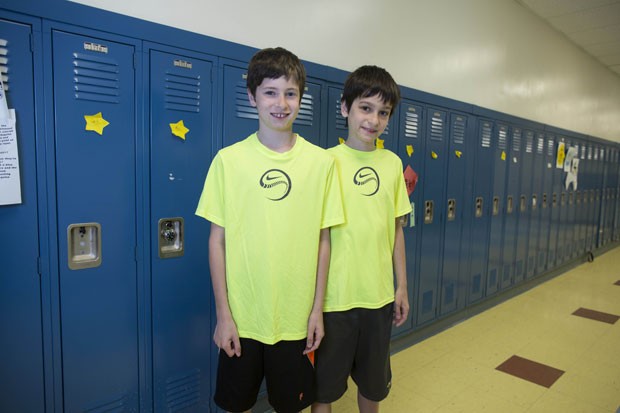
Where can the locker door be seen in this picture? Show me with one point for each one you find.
(511, 215)
(616, 182)
(598, 198)
(589, 171)
(481, 211)
(545, 213)
(21, 374)
(241, 119)
(581, 204)
(499, 207)
(337, 124)
(536, 221)
(524, 209)
(181, 140)
(411, 151)
(452, 256)
(554, 203)
(572, 230)
(95, 136)
(432, 220)
(561, 251)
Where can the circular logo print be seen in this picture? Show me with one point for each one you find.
(368, 180)
(277, 184)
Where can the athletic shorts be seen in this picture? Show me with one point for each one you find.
(356, 343)
(289, 375)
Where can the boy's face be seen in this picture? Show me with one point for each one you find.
(367, 118)
(277, 102)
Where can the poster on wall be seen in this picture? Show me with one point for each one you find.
(10, 185)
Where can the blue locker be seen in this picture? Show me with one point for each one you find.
(511, 215)
(432, 220)
(411, 150)
(589, 172)
(181, 132)
(522, 261)
(609, 184)
(616, 182)
(582, 203)
(563, 225)
(455, 263)
(556, 190)
(241, 119)
(481, 211)
(22, 371)
(598, 198)
(337, 124)
(543, 264)
(498, 209)
(95, 138)
(572, 227)
(537, 180)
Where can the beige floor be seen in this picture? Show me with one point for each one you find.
(454, 371)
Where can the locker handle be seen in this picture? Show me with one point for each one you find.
(428, 212)
(534, 202)
(479, 204)
(171, 237)
(554, 201)
(84, 245)
(451, 209)
(522, 204)
(509, 205)
(544, 204)
(495, 205)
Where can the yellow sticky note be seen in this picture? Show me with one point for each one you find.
(380, 143)
(458, 154)
(503, 155)
(410, 150)
(340, 141)
(179, 129)
(434, 155)
(96, 123)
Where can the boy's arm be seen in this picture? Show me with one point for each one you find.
(316, 330)
(401, 298)
(226, 336)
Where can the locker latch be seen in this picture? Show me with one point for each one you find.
(534, 203)
(479, 204)
(451, 209)
(509, 205)
(428, 212)
(495, 205)
(171, 237)
(84, 245)
(523, 204)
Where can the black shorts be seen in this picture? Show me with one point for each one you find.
(356, 343)
(289, 375)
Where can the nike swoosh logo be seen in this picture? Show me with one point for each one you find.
(271, 178)
(365, 175)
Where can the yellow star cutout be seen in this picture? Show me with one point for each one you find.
(340, 141)
(458, 154)
(503, 155)
(380, 143)
(410, 150)
(434, 155)
(179, 129)
(96, 123)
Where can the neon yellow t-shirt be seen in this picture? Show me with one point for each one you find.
(373, 188)
(272, 206)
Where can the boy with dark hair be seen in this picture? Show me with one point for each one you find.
(269, 245)
(366, 251)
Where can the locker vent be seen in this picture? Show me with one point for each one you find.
(595, 154)
(437, 126)
(550, 146)
(412, 123)
(485, 135)
(458, 129)
(243, 109)
(306, 110)
(516, 139)
(589, 153)
(541, 145)
(341, 122)
(4, 61)
(602, 155)
(183, 391)
(493, 277)
(95, 78)
(120, 404)
(529, 142)
(182, 92)
(476, 283)
(427, 302)
(502, 136)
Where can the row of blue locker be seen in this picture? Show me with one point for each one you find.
(105, 300)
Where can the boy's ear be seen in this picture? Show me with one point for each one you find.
(344, 111)
(251, 98)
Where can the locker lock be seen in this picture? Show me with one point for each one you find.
(171, 243)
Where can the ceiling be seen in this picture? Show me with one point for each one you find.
(593, 25)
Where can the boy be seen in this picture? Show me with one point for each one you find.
(366, 251)
(269, 245)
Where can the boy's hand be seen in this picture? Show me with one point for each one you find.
(226, 338)
(316, 331)
(401, 306)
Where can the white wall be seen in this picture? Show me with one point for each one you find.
(492, 53)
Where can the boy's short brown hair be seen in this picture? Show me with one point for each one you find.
(367, 81)
(273, 63)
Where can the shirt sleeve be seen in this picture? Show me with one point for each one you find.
(211, 205)
(333, 213)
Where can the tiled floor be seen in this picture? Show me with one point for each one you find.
(456, 370)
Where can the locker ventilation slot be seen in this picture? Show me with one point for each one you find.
(306, 111)
(4, 61)
(540, 147)
(183, 391)
(182, 93)
(341, 122)
(458, 130)
(529, 142)
(242, 103)
(485, 135)
(437, 126)
(595, 154)
(516, 140)
(412, 123)
(589, 153)
(95, 78)
(550, 146)
(117, 405)
(502, 136)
